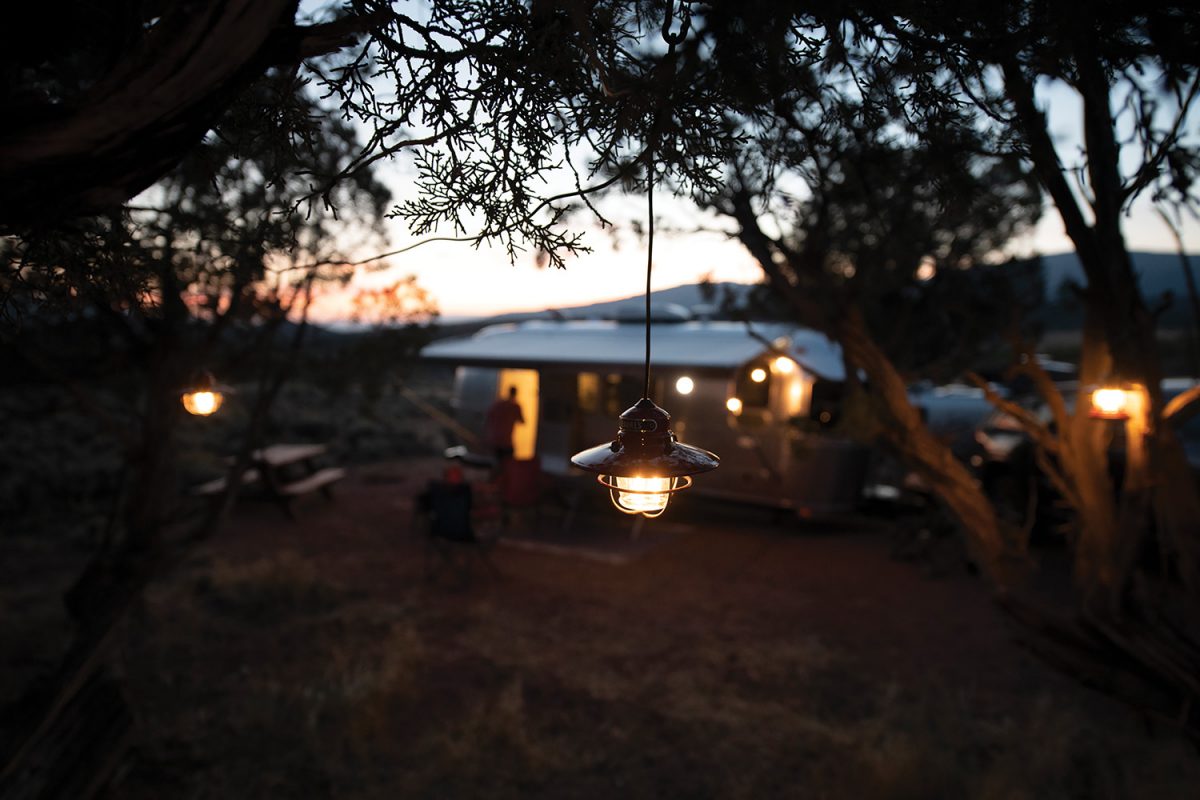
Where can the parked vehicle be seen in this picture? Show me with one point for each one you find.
(1189, 430)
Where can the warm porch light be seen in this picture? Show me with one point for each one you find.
(203, 397)
(1110, 402)
(685, 385)
(783, 365)
(645, 464)
(758, 374)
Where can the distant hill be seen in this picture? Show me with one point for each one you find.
(1159, 273)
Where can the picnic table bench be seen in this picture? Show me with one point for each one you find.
(217, 485)
(286, 471)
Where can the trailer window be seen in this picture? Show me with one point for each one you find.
(608, 394)
(753, 387)
(826, 402)
(620, 392)
(587, 395)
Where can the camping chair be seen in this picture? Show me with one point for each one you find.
(445, 507)
(521, 486)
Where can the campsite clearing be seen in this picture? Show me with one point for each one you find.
(734, 657)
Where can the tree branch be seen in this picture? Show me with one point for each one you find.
(139, 120)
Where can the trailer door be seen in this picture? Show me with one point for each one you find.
(526, 383)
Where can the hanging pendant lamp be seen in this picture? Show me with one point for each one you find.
(645, 464)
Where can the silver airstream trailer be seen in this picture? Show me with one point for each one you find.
(760, 396)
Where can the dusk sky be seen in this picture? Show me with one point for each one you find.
(469, 282)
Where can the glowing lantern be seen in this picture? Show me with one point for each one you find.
(202, 403)
(1110, 402)
(645, 464)
(203, 397)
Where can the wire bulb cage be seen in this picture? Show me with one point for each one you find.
(645, 465)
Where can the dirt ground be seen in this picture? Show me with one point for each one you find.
(728, 655)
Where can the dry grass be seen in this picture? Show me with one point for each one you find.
(298, 676)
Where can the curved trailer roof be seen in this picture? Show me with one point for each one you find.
(594, 343)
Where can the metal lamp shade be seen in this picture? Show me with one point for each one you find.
(645, 464)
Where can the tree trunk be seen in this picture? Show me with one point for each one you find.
(1120, 343)
(153, 494)
(1083, 455)
(950, 480)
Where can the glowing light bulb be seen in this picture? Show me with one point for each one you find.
(758, 374)
(685, 385)
(202, 403)
(783, 365)
(734, 405)
(1110, 403)
(647, 496)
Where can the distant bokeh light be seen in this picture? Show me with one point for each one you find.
(783, 365)
(926, 270)
(202, 403)
(1110, 403)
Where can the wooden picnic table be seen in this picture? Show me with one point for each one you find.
(286, 472)
(282, 455)
(290, 470)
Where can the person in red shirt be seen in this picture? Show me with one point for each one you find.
(502, 417)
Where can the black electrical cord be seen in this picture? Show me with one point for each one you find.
(672, 40)
(649, 263)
